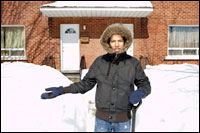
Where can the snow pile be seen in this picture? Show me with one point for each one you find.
(22, 108)
(173, 104)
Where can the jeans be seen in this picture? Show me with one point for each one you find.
(104, 126)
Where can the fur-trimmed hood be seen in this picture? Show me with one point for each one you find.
(119, 29)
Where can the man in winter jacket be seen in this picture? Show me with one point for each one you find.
(115, 74)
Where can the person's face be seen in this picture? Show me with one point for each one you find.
(116, 43)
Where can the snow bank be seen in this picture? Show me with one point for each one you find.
(173, 104)
(22, 109)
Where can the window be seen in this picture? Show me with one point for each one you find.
(183, 41)
(12, 41)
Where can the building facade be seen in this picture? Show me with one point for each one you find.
(169, 35)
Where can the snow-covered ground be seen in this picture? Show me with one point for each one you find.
(173, 104)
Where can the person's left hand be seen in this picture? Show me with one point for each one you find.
(136, 96)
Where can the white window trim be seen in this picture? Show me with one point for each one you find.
(181, 57)
(15, 57)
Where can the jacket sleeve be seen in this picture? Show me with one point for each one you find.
(87, 83)
(141, 80)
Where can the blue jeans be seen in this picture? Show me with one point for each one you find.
(104, 126)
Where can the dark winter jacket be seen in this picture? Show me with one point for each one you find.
(115, 80)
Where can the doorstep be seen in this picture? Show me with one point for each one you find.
(74, 77)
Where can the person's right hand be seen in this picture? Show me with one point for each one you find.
(54, 92)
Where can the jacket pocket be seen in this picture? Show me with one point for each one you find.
(102, 97)
(98, 94)
(122, 99)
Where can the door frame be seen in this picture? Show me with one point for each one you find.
(132, 53)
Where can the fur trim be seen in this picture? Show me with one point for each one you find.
(116, 29)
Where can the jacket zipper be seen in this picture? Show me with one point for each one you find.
(108, 72)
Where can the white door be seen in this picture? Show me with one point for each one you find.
(130, 50)
(70, 48)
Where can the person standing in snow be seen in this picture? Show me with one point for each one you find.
(115, 74)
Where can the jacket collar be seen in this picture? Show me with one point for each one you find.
(116, 58)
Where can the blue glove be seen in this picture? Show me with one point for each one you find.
(136, 96)
(55, 91)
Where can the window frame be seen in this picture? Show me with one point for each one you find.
(181, 57)
(10, 57)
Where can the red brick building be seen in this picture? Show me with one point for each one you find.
(30, 35)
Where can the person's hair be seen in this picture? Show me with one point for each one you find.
(108, 41)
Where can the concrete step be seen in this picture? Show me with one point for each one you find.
(74, 77)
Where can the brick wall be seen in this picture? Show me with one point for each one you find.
(36, 30)
(167, 13)
(150, 34)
